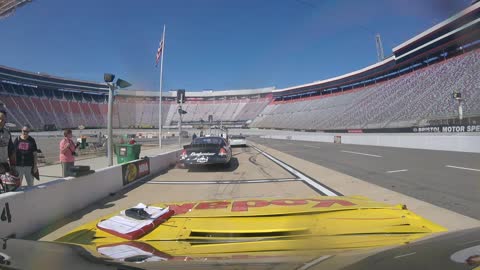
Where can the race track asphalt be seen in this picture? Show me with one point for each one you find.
(447, 179)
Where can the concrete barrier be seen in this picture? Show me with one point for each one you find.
(36, 207)
(27, 211)
(161, 162)
(459, 142)
(301, 137)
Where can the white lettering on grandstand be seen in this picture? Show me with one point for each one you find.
(201, 154)
(453, 129)
(473, 128)
(429, 129)
(449, 129)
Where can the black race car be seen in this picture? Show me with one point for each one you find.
(206, 150)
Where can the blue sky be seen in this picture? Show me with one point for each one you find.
(211, 44)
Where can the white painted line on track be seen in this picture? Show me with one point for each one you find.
(224, 181)
(314, 262)
(462, 168)
(404, 255)
(404, 170)
(311, 146)
(300, 175)
(358, 153)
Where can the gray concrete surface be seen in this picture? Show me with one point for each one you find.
(249, 165)
(241, 181)
(422, 174)
(351, 186)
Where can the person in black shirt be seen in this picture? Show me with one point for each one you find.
(26, 156)
(7, 151)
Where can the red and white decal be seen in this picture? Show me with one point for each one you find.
(246, 205)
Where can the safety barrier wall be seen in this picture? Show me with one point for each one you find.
(34, 208)
(162, 162)
(30, 210)
(459, 142)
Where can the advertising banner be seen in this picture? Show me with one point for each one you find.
(133, 171)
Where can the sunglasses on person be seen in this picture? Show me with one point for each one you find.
(25, 131)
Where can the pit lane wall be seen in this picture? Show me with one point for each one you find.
(31, 210)
(459, 142)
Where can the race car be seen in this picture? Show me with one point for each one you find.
(237, 140)
(206, 150)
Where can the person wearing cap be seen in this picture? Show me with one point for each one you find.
(7, 149)
(26, 156)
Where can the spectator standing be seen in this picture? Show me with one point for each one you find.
(132, 141)
(67, 152)
(7, 149)
(194, 136)
(26, 156)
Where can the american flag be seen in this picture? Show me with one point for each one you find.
(159, 52)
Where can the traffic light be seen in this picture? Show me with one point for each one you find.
(181, 96)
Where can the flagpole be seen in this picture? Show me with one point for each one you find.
(160, 95)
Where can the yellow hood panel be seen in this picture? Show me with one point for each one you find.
(321, 223)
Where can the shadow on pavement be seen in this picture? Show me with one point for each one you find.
(216, 167)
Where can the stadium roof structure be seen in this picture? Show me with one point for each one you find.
(386, 62)
(45, 80)
(463, 19)
(462, 28)
(8, 7)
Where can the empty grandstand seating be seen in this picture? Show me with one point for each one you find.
(398, 102)
(138, 112)
(97, 113)
(410, 98)
(223, 110)
(37, 107)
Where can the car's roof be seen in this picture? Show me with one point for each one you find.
(212, 138)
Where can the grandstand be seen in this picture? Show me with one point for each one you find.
(411, 88)
(44, 103)
(230, 108)
(40, 100)
(403, 101)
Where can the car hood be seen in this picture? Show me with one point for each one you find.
(260, 230)
(456, 250)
